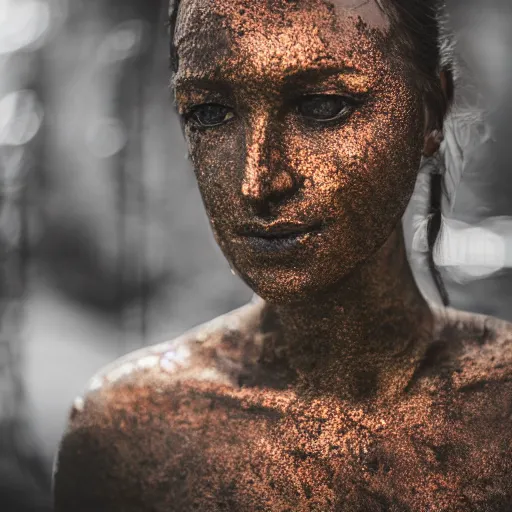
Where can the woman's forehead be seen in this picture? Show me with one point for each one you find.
(271, 35)
(368, 11)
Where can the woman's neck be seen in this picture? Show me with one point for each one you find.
(364, 339)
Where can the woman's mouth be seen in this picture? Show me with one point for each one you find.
(277, 236)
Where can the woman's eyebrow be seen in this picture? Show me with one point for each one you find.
(201, 81)
(349, 76)
(320, 73)
(294, 78)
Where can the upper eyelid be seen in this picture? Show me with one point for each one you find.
(353, 101)
(192, 108)
(344, 113)
(187, 106)
(190, 114)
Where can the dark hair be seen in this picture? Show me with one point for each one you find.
(415, 26)
(415, 36)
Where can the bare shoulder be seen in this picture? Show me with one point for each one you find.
(477, 349)
(215, 351)
(135, 417)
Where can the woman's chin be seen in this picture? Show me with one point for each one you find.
(289, 286)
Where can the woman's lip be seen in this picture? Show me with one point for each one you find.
(280, 245)
(278, 238)
(278, 231)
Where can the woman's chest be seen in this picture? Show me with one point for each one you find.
(275, 452)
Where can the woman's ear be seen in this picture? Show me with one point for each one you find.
(432, 142)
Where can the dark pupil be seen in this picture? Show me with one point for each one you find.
(321, 107)
(209, 115)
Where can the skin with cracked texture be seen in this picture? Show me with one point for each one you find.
(340, 389)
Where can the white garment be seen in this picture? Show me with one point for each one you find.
(466, 251)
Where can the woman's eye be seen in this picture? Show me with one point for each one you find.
(325, 107)
(210, 115)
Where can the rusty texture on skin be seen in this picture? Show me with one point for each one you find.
(341, 390)
(154, 441)
(267, 164)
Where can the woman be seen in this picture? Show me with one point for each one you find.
(339, 389)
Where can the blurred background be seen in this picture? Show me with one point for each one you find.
(105, 244)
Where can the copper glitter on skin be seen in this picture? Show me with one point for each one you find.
(339, 390)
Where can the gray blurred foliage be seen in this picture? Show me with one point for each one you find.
(122, 254)
(106, 246)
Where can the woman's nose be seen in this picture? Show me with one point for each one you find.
(267, 181)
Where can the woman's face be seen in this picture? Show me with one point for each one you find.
(304, 134)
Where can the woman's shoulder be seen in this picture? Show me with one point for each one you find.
(215, 351)
(475, 351)
(139, 408)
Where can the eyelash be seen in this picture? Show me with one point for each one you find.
(188, 116)
(350, 105)
(347, 106)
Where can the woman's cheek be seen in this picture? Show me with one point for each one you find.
(217, 170)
